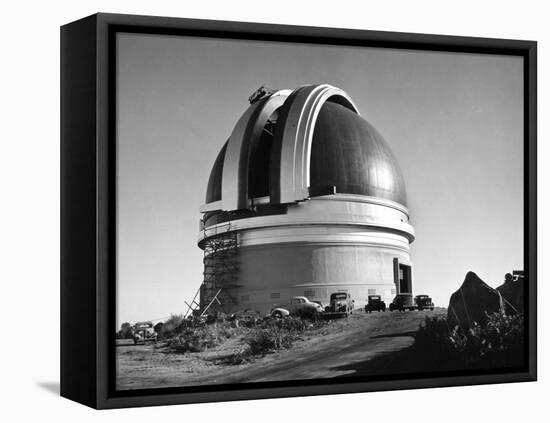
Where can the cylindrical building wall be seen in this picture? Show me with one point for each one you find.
(272, 274)
(325, 245)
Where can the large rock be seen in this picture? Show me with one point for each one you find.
(472, 302)
(513, 294)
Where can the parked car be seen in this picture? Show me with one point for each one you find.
(280, 312)
(375, 303)
(144, 332)
(297, 306)
(423, 302)
(402, 302)
(320, 303)
(340, 302)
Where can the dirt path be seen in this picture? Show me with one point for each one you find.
(341, 349)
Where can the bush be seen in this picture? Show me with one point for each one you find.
(307, 313)
(259, 336)
(266, 340)
(158, 327)
(125, 332)
(275, 334)
(201, 338)
(171, 327)
(497, 343)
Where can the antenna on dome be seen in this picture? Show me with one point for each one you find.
(260, 93)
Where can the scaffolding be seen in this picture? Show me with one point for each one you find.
(220, 275)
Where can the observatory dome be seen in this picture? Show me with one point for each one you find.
(305, 198)
(348, 156)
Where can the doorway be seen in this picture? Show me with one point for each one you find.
(405, 279)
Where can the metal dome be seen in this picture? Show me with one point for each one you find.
(348, 153)
(345, 154)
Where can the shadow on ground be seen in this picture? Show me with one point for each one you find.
(394, 335)
(397, 362)
(51, 387)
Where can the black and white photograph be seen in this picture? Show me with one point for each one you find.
(291, 211)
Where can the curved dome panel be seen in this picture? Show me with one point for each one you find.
(348, 152)
(214, 187)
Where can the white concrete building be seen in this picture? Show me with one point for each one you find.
(305, 198)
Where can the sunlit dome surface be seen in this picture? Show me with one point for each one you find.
(349, 153)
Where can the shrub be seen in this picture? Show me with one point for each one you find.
(259, 336)
(201, 337)
(125, 331)
(171, 326)
(266, 340)
(158, 327)
(275, 334)
(307, 313)
(497, 343)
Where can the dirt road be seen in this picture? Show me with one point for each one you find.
(339, 349)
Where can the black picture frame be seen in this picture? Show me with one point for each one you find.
(88, 206)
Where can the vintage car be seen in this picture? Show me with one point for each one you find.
(340, 302)
(297, 306)
(320, 303)
(279, 312)
(144, 332)
(375, 303)
(423, 302)
(402, 302)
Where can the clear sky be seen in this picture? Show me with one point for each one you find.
(454, 122)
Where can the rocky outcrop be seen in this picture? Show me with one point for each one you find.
(513, 293)
(472, 302)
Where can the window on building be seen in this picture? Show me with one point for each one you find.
(245, 298)
(275, 295)
(372, 291)
(310, 293)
